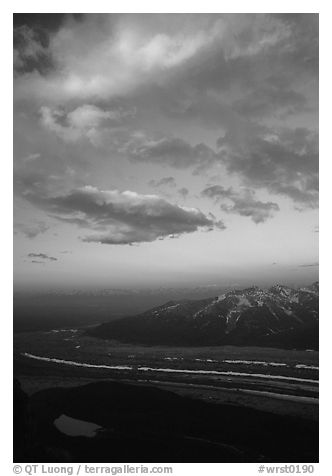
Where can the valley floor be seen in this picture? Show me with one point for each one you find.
(270, 393)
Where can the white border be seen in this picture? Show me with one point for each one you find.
(325, 197)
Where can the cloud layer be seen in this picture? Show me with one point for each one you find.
(283, 162)
(173, 151)
(241, 203)
(120, 100)
(127, 217)
(42, 256)
(165, 181)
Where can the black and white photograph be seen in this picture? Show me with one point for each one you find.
(166, 239)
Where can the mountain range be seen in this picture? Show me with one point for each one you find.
(278, 317)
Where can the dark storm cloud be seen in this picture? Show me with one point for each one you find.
(213, 54)
(283, 162)
(42, 256)
(241, 203)
(31, 51)
(168, 181)
(226, 69)
(46, 21)
(32, 36)
(124, 217)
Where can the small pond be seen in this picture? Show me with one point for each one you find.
(73, 427)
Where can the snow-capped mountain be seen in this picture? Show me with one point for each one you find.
(279, 316)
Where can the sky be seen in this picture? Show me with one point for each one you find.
(165, 150)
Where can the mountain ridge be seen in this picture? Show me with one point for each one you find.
(278, 316)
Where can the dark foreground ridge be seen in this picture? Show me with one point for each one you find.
(146, 424)
(277, 317)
